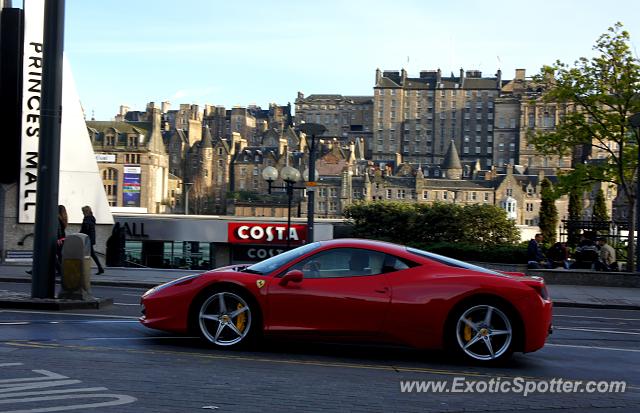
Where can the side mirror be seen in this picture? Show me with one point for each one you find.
(294, 276)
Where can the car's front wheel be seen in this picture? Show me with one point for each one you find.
(225, 319)
(484, 332)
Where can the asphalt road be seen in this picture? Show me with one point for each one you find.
(106, 361)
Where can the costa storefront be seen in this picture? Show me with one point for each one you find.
(253, 241)
(205, 242)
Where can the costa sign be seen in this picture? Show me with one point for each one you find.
(266, 234)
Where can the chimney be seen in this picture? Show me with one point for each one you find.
(520, 74)
(403, 75)
(499, 78)
(378, 76)
(166, 105)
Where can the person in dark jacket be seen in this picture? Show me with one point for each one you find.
(89, 227)
(535, 256)
(63, 221)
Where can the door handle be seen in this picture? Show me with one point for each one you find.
(383, 290)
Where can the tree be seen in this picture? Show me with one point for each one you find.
(484, 225)
(603, 92)
(548, 212)
(600, 212)
(575, 214)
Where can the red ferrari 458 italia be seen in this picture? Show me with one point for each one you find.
(351, 289)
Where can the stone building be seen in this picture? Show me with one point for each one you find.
(521, 111)
(348, 117)
(133, 162)
(250, 122)
(418, 116)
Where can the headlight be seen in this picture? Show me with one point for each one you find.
(185, 279)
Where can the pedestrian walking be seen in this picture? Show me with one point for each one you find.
(89, 227)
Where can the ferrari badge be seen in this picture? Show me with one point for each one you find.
(260, 283)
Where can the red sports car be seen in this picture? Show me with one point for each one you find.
(362, 290)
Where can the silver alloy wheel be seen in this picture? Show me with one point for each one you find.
(491, 332)
(225, 319)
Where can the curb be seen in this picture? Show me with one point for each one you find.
(54, 304)
(602, 306)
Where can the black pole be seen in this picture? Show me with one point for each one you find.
(313, 129)
(311, 192)
(289, 197)
(43, 285)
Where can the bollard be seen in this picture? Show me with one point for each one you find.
(76, 268)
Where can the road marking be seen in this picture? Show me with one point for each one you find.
(139, 338)
(631, 350)
(119, 400)
(595, 330)
(136, 304)
(33, 322)
(69, 314)
(597, 318)
(10, 364)
(42, 393)
(29, 390)
(390, 368)
(134, 295)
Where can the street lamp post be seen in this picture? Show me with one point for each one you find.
(634, 120)
(313, 129)
(290, 176)
(187, 186)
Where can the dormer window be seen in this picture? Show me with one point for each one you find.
(110, 140)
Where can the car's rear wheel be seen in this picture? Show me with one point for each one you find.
(484, 332)
(225, 319)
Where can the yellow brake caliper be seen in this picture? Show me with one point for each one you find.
(467, 331)
(241, 320)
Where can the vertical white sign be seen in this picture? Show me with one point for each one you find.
(31, 98)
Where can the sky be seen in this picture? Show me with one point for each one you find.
(131, 52)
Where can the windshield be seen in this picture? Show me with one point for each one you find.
(268, 265)
(450, 261)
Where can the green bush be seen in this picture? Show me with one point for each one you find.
(404, 223)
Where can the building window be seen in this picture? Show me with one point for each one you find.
(322, 192)
(425, 194)
(388, 193)
(486, 197)
(333, 192)
(401, 193)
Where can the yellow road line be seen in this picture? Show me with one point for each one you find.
(270, 360)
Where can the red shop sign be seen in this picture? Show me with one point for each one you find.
(255, 233)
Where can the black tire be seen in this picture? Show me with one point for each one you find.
(227, 318)
(482, 339)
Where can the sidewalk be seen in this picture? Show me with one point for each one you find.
(562, 295)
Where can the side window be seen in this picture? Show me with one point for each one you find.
(342, 262)
(392, 264)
